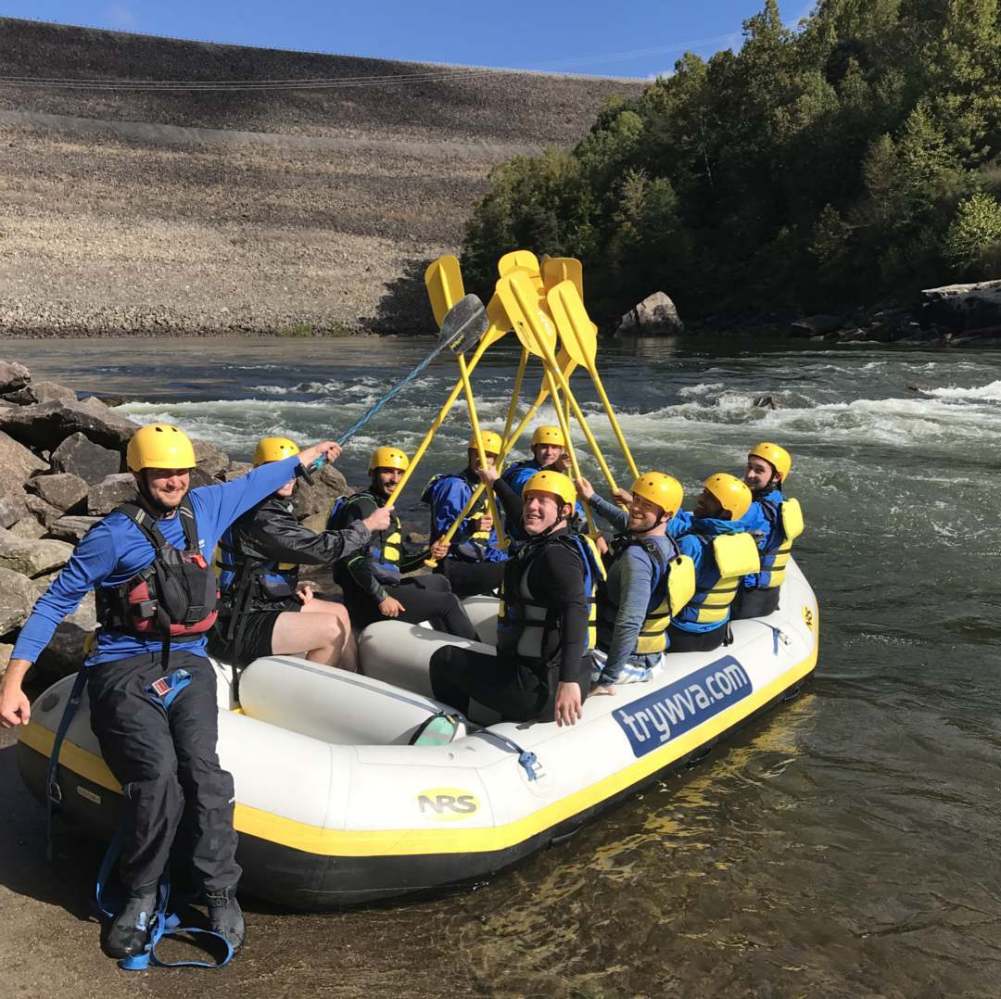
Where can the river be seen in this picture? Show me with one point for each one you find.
(847, 844)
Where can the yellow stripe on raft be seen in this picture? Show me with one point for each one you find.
(409, 842)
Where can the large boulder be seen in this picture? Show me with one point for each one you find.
(815, 325)
(31, 557)
(81, 456)
(5, 653)
(656, 315)
(109, 492)
(45, 513)
(46, 391)
(963, 306)
(210, 459)
(17, 596)
(236, 470)
(13, 376)
(66, 649)
(71, 529)
(28, 527)
(12, 509)
(17, 462)
(46, 425)
(318, 497)
(63, 490)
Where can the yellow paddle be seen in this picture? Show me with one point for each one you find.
(537, 334)
(443, 280)
(577, 334)
(495, 331)
(557, 269)
(567, 366)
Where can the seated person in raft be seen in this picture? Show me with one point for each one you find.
(264, 609)
(372, 579)
(542, 668)
(649, 576)
(474, 564)
(721, 555)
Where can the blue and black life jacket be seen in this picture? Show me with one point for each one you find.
(470, 543)
(384, 548)
(526, 625)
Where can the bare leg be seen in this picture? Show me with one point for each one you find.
(321, 630)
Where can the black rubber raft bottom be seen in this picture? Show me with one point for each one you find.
(304, 881)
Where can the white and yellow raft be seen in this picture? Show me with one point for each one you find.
(335, 806)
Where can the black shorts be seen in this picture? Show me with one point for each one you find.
(253, 635)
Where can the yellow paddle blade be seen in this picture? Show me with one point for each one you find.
(577, 332)
(557, 269)
(525, 259)
(443, 280)
(534, 329)
(499, 322)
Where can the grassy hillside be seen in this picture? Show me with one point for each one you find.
(263, 210)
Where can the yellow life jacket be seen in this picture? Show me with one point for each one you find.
(736, 556)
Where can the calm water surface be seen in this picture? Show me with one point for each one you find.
(848, 844)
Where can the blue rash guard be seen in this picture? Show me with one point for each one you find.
(447, 496)
(630, 585)
(114, 550)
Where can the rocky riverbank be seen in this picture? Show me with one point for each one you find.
(63, 461)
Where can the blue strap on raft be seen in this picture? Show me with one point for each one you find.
(528, 760)
(163, 691)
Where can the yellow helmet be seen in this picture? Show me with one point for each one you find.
(733, 495)
(549, 435)
(388, 457)
(662, 490)
(778, 457)
(492, 443)
(159, 445)
(274, 449)
(556, 483)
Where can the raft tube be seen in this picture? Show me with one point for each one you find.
(335, 807)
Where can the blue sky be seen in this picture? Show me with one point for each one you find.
(635, 38)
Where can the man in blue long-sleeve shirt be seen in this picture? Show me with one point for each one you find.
(155, 605)
(474, 564)
(634, 605)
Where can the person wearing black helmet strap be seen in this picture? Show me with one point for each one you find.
(265, 609)
(151, 688)
(542, 669)
(372, 580)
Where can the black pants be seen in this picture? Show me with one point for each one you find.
(468, 579)
(755, 603)
(696, 641)
(516, 690)
(167, 764)
(424, 598)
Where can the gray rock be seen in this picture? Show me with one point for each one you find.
(66, 649)
(109, 492)
(12, 509)
(63, 490)
(5, 653)
(236, 470)
(44, 512)
(656, 315)
(812, 325)
(17, 596)
(46, 425)
(83, 457)
(13, 375)
(20, 397)
(210, 459)
(961, 307)
(32, 557)
(199, 477)
(46, 391)
(17, 462)
(28, 527)
(71, 529)
(328, 484)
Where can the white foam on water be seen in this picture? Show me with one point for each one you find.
(703, 388)
(990, 392)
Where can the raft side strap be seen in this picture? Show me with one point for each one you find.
(528, 760)
(53, 792)
(778, 635)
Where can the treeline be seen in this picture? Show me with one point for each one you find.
(852, 159)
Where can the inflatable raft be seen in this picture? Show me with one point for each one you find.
(335, 806)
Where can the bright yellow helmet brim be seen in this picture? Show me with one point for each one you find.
(159, 445)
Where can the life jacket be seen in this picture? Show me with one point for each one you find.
(470, 544)
(384, 548)
(525, 624)
(174, 596)
(736, 555)
(774, 561)
(673, 586)
(247, 583)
